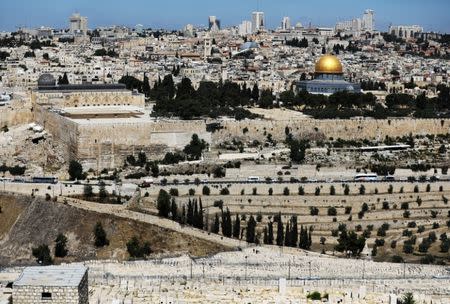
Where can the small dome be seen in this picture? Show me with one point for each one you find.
(46, 80)
(328, 64)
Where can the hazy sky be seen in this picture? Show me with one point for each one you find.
(433, 15)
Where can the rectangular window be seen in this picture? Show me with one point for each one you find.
(46, 296)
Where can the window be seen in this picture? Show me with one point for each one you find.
(46, 296)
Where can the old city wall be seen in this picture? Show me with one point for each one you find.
(336, 128)
(16, 114)
(62, 130)
(107, 145)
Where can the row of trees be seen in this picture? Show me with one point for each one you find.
(182, 100)
(346, 105)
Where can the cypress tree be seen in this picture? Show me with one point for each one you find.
(173, 210)
(237, 227)
(195, 221)
(190, 213)
(251, 224)
(280, 232)
(216, 226)
(201, 225)
(294, 231)
(287, 237)
(266, 237)
(270, 236)
(183, 215)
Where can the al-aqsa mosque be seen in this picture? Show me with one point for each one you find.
(328, 78)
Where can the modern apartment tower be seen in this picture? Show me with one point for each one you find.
(258, 22)
(78, 24)
(213, 24)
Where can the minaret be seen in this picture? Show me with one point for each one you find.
(207, 47)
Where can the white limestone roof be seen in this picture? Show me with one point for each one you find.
(67, 276)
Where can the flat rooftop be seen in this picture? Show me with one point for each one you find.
(106, 115)
(66, 276)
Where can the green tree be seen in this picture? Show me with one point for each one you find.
(206, 190)
(87, 191)
(250, 231)
(195, 148)
(163, 203)
(237, 227)
(61, 246)
(100, 239)
(75, 170)
(42, 255)
(280, 231)
(102, 193)
(136, 250)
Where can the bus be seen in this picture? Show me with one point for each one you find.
(44, 180)
(371, 177)
(253, 179)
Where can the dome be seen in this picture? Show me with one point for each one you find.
(46, 80)
(328, 64)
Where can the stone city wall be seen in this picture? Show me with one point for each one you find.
(16, 114)
(62, 129)
(336, 128)
(107, 145)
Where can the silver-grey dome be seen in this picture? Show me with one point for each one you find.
(46, 80)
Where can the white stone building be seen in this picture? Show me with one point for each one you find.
(52, 285)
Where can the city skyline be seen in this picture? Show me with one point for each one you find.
(26, 13)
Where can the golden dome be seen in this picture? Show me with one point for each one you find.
(328, 64)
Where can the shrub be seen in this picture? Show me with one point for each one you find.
(255, 191)
(42, 255)
(416, 189)
(397, 259)
(420, 229)
(224, 191)
(100, 239)
(61, 246)
(428, 259)
(270, 191)
(390, 189)
(173, 191)
(346, 190)
(332, 211)
(301, 191)
(362, 190)
(393, 244)
(406, 214)
(332, 190)
(385, 205)
(379, 242)
(136, 250)
(314, 211)
(348, 209)
(191, 192)
(206, 190)
(286, 191)
(317, 191)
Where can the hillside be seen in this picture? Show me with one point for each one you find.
(28, 222)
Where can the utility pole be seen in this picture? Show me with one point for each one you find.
(309, 270)
(246, 268)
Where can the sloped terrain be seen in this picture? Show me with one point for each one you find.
(26, 223)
